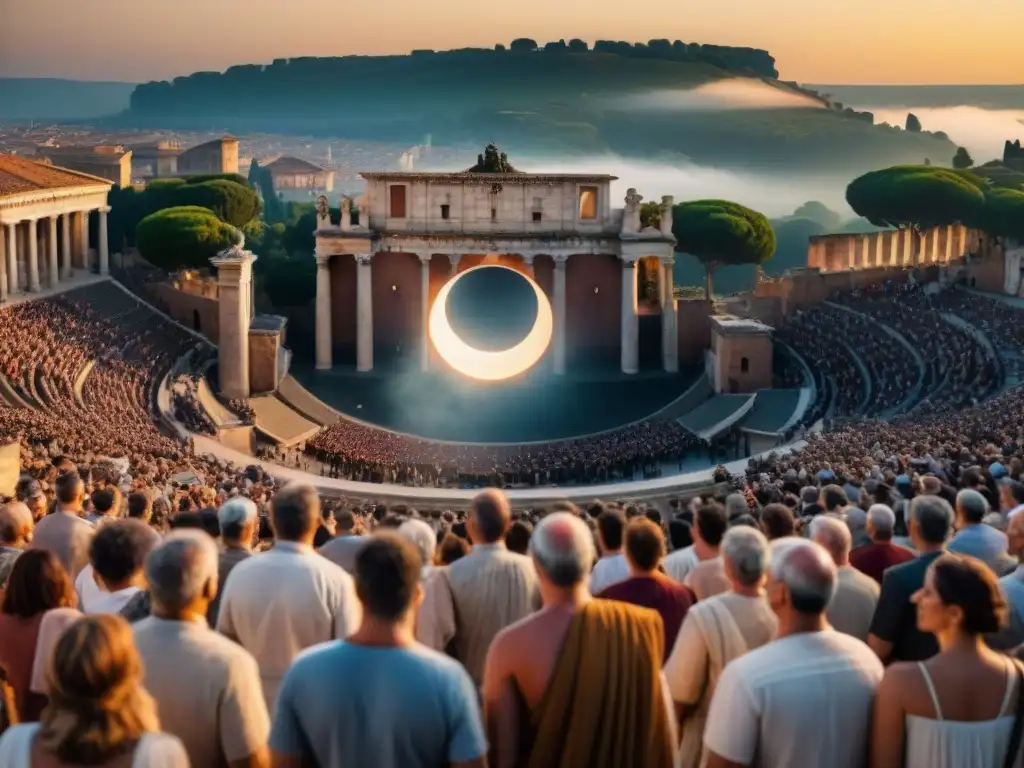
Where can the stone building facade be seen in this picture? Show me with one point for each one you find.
(377, 279)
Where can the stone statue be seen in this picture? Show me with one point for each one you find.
(323, 212)
(346, 213)
(631, 215)
(665, 211)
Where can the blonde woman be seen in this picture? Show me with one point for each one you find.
(99, 714)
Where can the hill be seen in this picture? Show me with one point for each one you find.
(984, 96)
(53, 99)
(562, 99)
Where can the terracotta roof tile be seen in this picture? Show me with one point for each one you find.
(19, 174)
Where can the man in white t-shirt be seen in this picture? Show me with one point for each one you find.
(803, 700)
(612, 567)
(117, 554)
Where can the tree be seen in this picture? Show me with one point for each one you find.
(290, 282)
(234, 203)
(915, 196)
(650, 214)
(261, 181)
(962, 159)
(577, 46)
(188, 236)
(913, 124)
(719, 232)
(1003, 214)
(523, 44)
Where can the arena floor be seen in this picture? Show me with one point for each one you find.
(541, 406)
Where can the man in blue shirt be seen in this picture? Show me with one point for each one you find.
(978, 539)
(379, 698)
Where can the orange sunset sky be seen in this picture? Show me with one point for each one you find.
(813, 41)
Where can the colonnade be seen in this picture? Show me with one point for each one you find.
(29, 253)
(630, 322)
(888, 248)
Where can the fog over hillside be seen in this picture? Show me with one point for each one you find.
(982, 131)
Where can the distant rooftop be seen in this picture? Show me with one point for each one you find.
(292, 165)
(19, 175)
(730, 324)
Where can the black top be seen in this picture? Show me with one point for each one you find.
(895, 618)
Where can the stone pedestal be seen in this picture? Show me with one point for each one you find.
(234, 280)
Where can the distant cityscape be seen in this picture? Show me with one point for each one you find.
(130, 156)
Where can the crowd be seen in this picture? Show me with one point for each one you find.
(806, 622)
(357, 451)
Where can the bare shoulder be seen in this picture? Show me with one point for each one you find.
(899, 679)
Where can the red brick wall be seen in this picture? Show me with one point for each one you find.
(693, 329)
(184, 306)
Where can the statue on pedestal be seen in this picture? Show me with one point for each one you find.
(323, 212)
(346, 213)
(631, 214)
(665, 210)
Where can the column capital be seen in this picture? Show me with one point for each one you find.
(668, 261)
(629, 261)
(103, 209)
(454, 259)
(323, 259)
(363, 259)
(424, 258)
(560, 260)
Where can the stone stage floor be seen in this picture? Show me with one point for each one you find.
(539, 406)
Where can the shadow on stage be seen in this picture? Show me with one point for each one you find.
(538, 406)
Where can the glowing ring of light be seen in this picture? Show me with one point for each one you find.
(483, 364)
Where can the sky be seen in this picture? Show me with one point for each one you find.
(813, 41)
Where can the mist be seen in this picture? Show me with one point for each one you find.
(982, 131)
(719, 96)
(772, 194)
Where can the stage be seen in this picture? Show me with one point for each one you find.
(536, 407)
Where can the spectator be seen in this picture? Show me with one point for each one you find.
(421, 536)
(956, 710)
(735, 506)
(708, 577)
(570, 663)
(106, 503)
(833, 499)
(30, 492)
(856, 595)
(518, 538)
(217, 708)
(809, 504)
(873, 559)
(1012, 586)
(328, 524)
(803, 699)
(38, 585)
(856, 520)
(894, 632)
(15, 533)
(646, 586)
(289, 598)
(237, 520)
(1012, 497)
(65, 533)
(98, 711)
(973, 537)
(715, 632)
(331, 709)
(482, 593)
(117, 553)
(451, 548)
(777, 521)
(140, 508)
(612, 567)
(343, 547)
(683, 559)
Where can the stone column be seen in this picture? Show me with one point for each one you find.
(234, 275)
(669, 329)
(453, 260)
(894, 248)
(949, 243)
(51, 262)
(879, 241)
(104, 248)
(65, 250)
(13, 286)
(630, 321)
(865, 252)
(425, 311)
(559, 331)
(83, 238)
(908, 247)
(528, 264)
(3, 263)
(851, 252)
(324, 359)
(33, 256)
(364, 312)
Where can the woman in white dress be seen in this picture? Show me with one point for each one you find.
(962, 707)
(99, 714)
